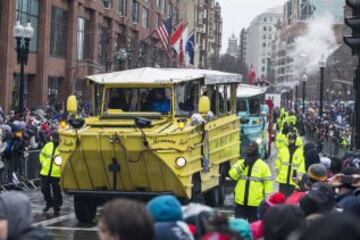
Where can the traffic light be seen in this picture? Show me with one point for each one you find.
(353, 41)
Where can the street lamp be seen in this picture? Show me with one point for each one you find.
(304, 79)
(322, 65)
(22, 50)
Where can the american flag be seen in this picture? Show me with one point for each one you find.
(164, 33)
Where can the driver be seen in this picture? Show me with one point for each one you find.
(158, 102)
(118, 100)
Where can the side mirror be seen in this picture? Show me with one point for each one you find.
(71, 104)
(244, 120)
(76, 123)
(204, 105)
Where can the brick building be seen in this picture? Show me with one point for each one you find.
(75, 38)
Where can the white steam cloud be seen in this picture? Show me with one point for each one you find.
(318, 40)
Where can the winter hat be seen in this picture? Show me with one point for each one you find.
(352, 162)
(326, 162)
(194, 209)
(241, 227)
(319, 199)
(198, 217)
(308, 146)
(311, 157)
(165, 209)
(333, 227)
(273, 199)
(351, 205)
(172, 231)
(317, 172)
(282, 220)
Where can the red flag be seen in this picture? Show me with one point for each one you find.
(177, 35)
(252, 75)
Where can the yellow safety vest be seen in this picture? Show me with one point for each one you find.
(280, 141)
(260, 182)
(291, 120)
(47, 152)
(285, 168)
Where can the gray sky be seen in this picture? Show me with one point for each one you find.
(239, 13)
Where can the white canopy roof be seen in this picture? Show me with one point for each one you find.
(164, 75)
(246, 91)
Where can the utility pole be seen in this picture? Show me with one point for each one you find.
(353, 41)
(322, 68)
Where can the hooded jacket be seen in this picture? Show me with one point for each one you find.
(286, 163)
(259, 182)
(15, 208)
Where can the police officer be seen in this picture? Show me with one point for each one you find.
(281, 119)
(290, 164)
(50, 175)
(254, 183)
(291, 119)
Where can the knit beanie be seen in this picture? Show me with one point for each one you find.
(165, 209)
(317, 172)
(241, 227)
(319, 199)
(273, 199)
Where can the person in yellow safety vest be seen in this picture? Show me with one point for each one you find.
(50, 161)
(290, 164)
(281, 119)
(281, 137)
(291, 119)
(254, 183)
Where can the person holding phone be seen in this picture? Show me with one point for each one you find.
(347, 184)
(290, 165)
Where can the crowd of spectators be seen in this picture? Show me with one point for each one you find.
(335, 126)
(20, 134)
(321, 208)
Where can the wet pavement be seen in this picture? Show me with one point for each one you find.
(67, 227)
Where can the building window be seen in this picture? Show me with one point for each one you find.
(158, 20)
(165, 6)
(104, 43)
(176, 15)
(83, 39)
(107, 3)
(28, 11)
(58, 32)
(265, 28)
(158, 3)
(135, 11)
(171, 10)
(122, 7)
(54, 84)
(265, 19)
(145, 18)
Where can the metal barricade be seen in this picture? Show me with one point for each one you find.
(32, 165)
